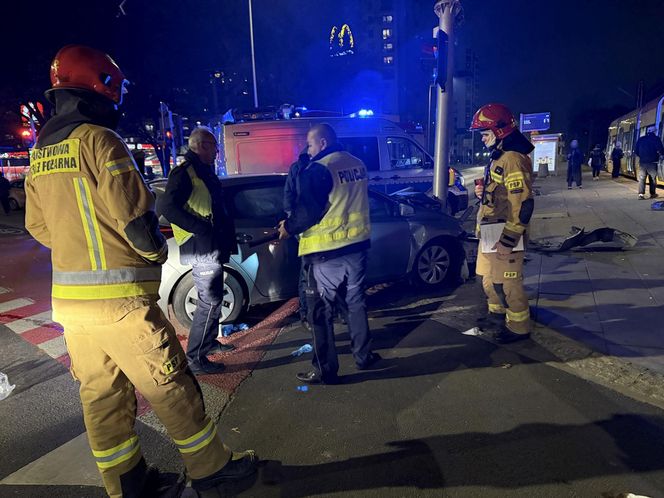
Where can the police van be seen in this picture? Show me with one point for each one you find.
(395, 160)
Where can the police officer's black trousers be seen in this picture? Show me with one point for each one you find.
(339, 278)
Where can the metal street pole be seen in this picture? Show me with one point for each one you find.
(447, 12)
(253, 57)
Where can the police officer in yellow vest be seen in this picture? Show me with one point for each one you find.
(193, 203)
(331, 213)
(87, 202)
(506, 197)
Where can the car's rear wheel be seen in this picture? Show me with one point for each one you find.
(185, 299)
(437, 264)
(13, 204)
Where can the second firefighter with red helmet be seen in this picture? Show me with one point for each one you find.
(506, 198)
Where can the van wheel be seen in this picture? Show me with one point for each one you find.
(437, 264)
(185, 299)
(13, 204)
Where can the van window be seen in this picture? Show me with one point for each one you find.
(404, 154)
(365, 148)
(269, 156)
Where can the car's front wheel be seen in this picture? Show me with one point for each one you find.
(437, 264)
(185, 299)
(13, 204)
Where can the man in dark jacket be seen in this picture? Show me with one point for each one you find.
(5, 186)
(332, 215)
(290, 199)
(616, 156)
(574, 162)
(597, 161)
(649, 149)
(193, 204)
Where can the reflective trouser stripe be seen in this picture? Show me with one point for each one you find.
(496, 308)
(105, 291)
(112, 276)
(115, 456)
(90, 225)
(198, 440)
(517, 316)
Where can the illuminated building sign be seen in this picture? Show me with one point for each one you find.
(341, 41)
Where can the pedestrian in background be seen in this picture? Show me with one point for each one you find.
(290, 200)
(332, 215)
(5, 187)
(193, 203)
(616, 157)
(574, 162)
(506, 197)
(87, 202)
(597, 161)
(649, 149)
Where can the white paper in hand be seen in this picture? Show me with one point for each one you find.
(490, 234)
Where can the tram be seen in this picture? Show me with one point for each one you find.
(629, 128)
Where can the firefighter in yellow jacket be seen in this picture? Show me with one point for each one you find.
(506, 197)
(87, 202)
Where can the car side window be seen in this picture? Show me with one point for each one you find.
(364, 148)
(379, 208)
(263, 203)
(404, 154)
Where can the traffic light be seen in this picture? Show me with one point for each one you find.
(27, 137)
(441, 59)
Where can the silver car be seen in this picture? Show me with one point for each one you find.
(406, 240)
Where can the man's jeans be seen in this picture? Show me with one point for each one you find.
(647, 170)
(209, 282)
(339, 278)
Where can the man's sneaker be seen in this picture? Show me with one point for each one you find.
(642, 197)
(569, 188)
(313, 377)
(241, 465)
(581, 186)
(506, 336)
(208, 368)
(370, 361)
(220, 348)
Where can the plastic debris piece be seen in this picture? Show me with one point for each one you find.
(303, 389)
(506, 365)
(226, 330)
(236, 429)
(5, 388)
(657, 206)
(475, 331)
(303, 349)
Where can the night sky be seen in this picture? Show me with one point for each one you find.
(561, 56)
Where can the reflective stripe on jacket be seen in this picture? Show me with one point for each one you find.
(508, 196)
(87, 202)
(198, 204)
(346, 221)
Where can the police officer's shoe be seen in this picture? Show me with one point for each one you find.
(207, 368)
(314, 377)
(654, 196)
(241, 465)
(221, 348)
(370, 361)
(506, 336)
(642, 197)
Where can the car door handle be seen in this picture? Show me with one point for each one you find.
(243, 238)
(376, 178)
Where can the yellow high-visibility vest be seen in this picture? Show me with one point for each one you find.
(346, 221)
(199, 204)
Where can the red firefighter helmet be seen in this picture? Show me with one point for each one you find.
(85, 68)
(495, 117)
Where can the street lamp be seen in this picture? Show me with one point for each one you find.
(253, 57)
(449, 12)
